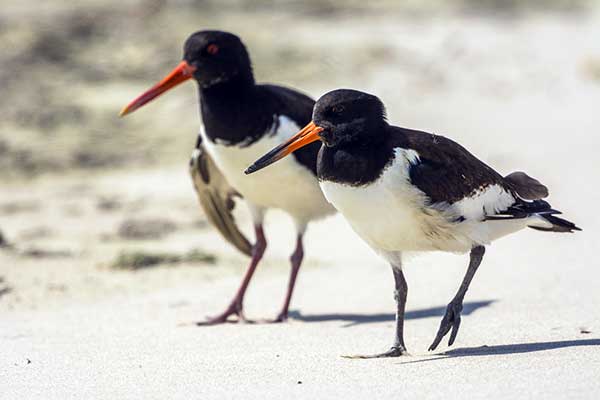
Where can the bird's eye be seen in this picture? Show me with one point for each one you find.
(337, 109)
(212, 49)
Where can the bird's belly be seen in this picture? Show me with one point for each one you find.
(287, 185)
(382, 221)
(390, 214)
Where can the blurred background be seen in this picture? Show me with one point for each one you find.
(86, 197)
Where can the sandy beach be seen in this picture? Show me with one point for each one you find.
(79, 319)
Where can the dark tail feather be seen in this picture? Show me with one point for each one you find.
(525, 209)
(526, 187)
(558, 225)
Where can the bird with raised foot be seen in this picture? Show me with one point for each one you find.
(241, 120)
(404, 190)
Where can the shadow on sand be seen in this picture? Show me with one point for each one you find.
(504, 349)
(5, 290)
(356, 319)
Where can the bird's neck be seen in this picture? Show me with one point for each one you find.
(231, 111)
(241, 82)
(355, 164)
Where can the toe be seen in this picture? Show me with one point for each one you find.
(454, 332)
(224, 317)
(393, 352)
(451, 321)
(281, 318)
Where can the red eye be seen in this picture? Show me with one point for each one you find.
(338, 109)
(212, 49)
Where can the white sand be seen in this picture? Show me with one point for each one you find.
(543, 293)
(71, 328)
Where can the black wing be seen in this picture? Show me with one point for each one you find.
(446, 171)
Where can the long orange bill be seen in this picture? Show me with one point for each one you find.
(179, 74)
(307, 135)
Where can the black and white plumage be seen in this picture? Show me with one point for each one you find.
(216, 197)
(433, 190)
(404, 190)
(240, 121)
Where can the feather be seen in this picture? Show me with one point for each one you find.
(215, 196)
(525, 186)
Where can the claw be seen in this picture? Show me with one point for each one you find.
(277, 320)
(281, 318)
(454, 332)
(393, 352)
(223, 318)
(451, 320)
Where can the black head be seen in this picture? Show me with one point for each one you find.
(210, 57)
(349, 116)
(217, 57)
(341, 117)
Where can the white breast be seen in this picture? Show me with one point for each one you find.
(389, 214)
(287, 185)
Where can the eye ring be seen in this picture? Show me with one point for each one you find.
(212, 49)
(338, 109)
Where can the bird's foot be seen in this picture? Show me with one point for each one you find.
(395, 351)
(234, 309)
(451, 320)
(281, 317)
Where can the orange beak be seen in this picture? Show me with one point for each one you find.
(181, 73)
(308, 134)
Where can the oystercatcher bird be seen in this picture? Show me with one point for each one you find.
(404, 190)
(241, 120)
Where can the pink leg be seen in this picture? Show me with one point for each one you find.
(236, 307)
(296, 260)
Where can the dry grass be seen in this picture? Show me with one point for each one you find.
(137, 260)
(591, 69)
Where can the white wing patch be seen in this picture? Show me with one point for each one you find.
(411, 156)
(490, 201)
(487, 201)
